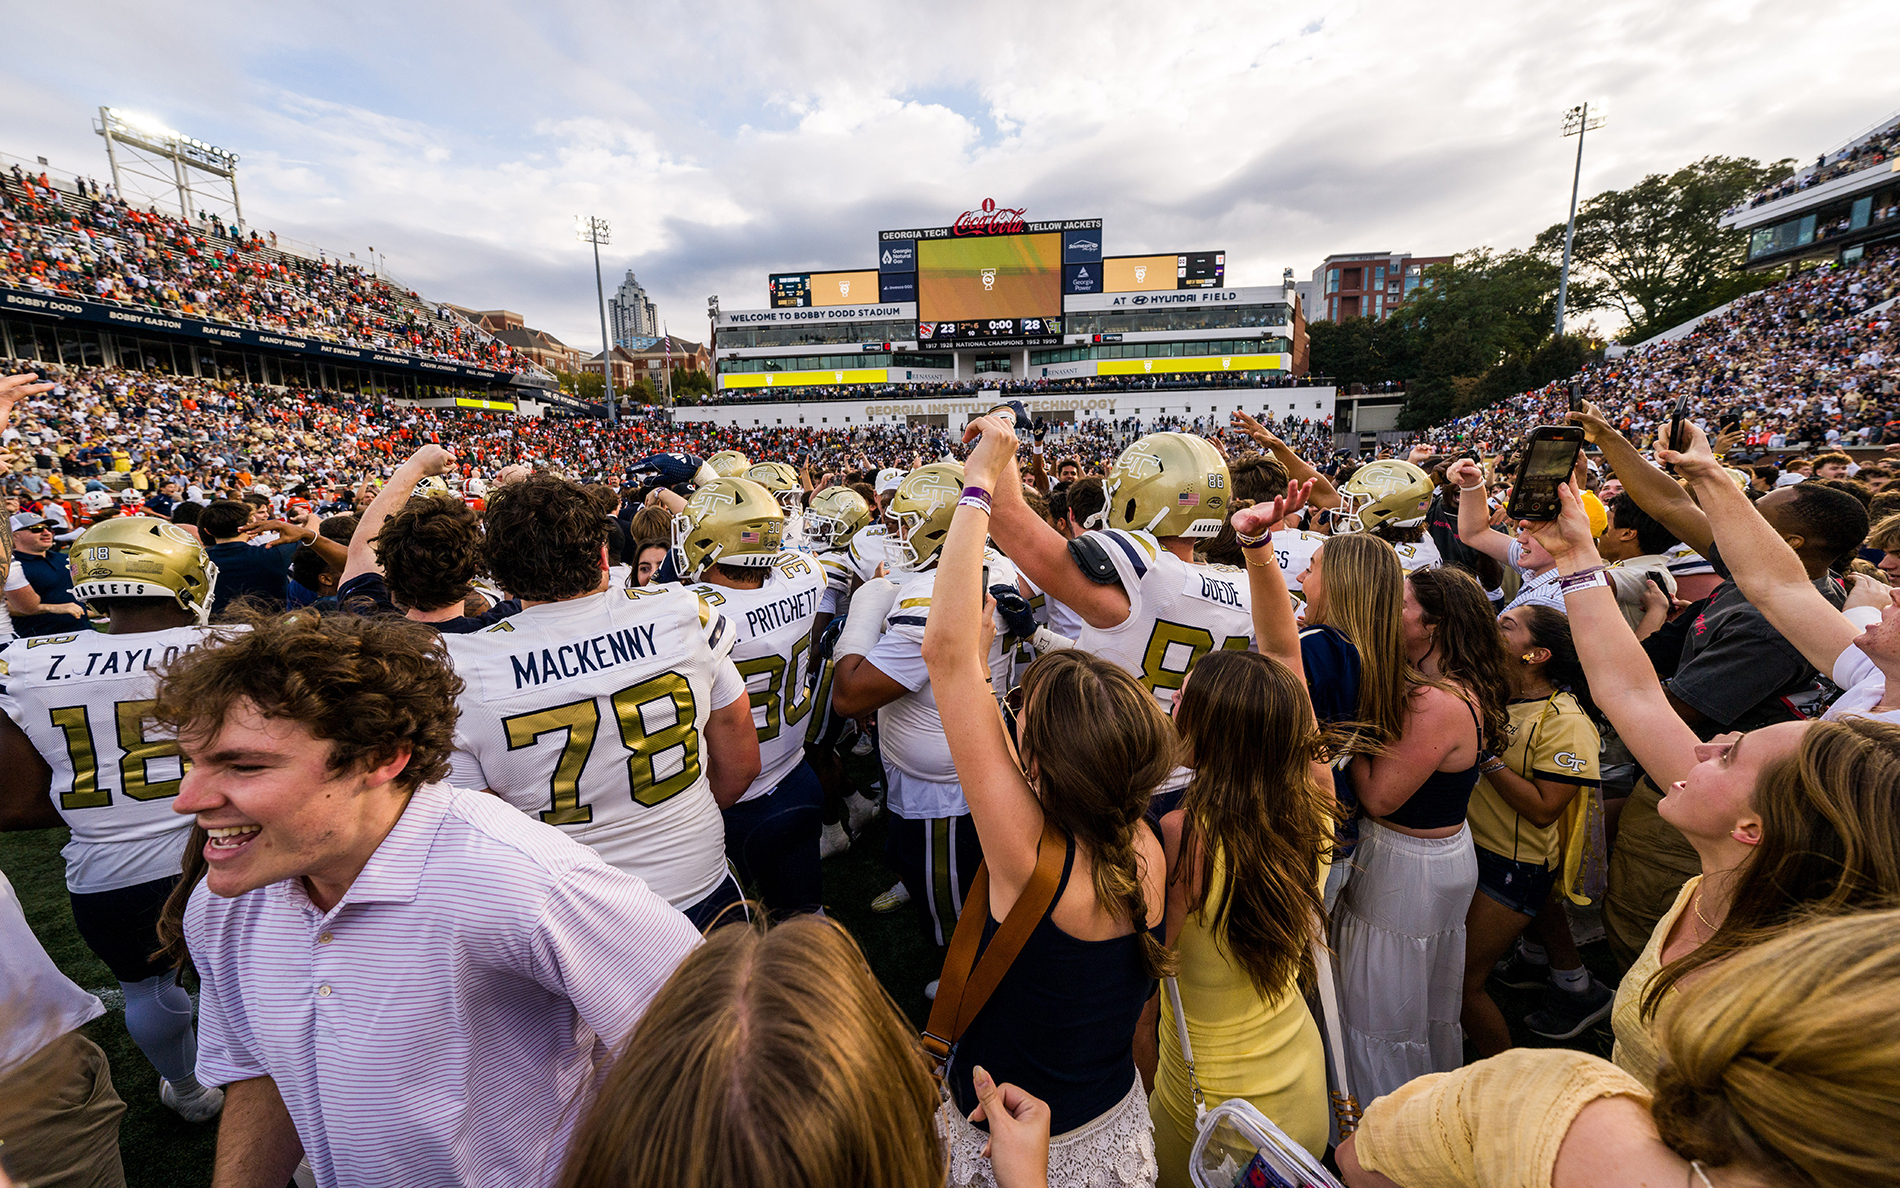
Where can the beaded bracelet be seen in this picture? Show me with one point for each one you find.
(975, 497)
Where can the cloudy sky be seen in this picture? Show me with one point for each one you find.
(728, 140)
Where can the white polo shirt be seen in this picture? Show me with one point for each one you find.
(446, 1021)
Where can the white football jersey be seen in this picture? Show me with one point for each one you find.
(1294, 551)
(1413, 557)
(840, 579)
(1051, 613)
(869, 549)
(587, 714)
(85, 701)
(909, 729)
(1177, 612)
(772, 648)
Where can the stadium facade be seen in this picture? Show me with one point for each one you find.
(1834, 210)
(995, 295)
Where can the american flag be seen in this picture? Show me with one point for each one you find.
(746, 537)
(1189, 499)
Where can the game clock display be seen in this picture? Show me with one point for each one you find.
(1013, 331)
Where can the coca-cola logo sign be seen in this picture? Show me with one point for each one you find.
(990, 219)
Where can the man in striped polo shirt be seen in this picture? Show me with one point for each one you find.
(403, 982)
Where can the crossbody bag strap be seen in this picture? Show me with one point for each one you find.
(966, 982)
(1346, 1110)
(1187, 1048)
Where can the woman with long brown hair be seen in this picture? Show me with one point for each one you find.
(1398, 927)
(1093, 747)
(1244, 851)
(1789, 820)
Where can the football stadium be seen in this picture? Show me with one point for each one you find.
(1012, 709)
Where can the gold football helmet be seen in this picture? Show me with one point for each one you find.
(729, 521)
(834, 517)
(782, 481)
(1388, 491)
(921, 508)
(433, 484)
(143, 557)
(1168, 484)
(729, 464)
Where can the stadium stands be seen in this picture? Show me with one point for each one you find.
(80, 239)
(1814, 359)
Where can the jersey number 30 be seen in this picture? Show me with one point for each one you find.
(656, 727)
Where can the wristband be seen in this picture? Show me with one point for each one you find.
(1588, 579)
(1257, 541)
(1472, 487)
(975, 497)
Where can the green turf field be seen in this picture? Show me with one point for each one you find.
(163, 1151)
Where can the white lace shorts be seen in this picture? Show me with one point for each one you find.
(1114, 1150)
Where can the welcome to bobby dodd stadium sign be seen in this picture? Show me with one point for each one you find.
(129, 318)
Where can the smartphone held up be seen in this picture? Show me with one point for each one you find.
(1546, 462)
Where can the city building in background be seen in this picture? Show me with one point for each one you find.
(509, 327)
(1363, 285)
(650, 357)
(630, 314)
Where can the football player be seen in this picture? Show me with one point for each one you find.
(79, 749)
(729, 464)
(1133, 581)
(614, 714)
(728, 541)
(834, 523)
(1389, 498)
(931, 842)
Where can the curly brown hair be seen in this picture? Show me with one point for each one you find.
(369, 686)
(544, 536)
(430, 551)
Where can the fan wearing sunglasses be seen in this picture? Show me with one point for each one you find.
(1090, 746)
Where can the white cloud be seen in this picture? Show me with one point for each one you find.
(725, 142)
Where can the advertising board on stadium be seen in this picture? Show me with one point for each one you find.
(61, 306)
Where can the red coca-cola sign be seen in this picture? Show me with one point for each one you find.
(990, 219)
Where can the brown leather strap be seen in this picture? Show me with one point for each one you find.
(967, 983)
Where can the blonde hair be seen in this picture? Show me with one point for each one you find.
(768, 1059)
(1362, 590)
(1786, 1059)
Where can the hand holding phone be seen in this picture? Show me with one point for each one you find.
(1676, 419)
(1549, 457)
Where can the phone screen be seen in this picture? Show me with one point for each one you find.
(1551, 459)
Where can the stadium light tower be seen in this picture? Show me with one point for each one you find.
(1577, 121)
(596, 231)
(149, 146)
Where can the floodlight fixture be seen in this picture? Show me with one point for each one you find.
(1587, 116)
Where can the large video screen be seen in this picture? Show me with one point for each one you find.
(992, 278)
(844, 288)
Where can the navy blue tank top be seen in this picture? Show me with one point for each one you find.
(1061, 1023)
(1442, 799)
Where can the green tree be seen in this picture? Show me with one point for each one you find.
(1470, 319)
(587, 385)
(1654, 252)
(691, 383)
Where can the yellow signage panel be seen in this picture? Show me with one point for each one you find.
(844, 288)
(490, 405)
(1134, 274)
(1193, 363)
(798, 379)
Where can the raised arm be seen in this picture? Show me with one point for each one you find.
(1042, 553)
(1769, 573)
(1654, 491)
(1275, 629)
(1007, 816)
(429, 460)
(1298, 469)
(1622, 682)
(1474, 512)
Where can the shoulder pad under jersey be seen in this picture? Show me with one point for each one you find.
(1092, 556)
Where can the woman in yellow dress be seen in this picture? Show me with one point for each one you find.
(1244, 903)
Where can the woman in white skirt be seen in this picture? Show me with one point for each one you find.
(1398, 929)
